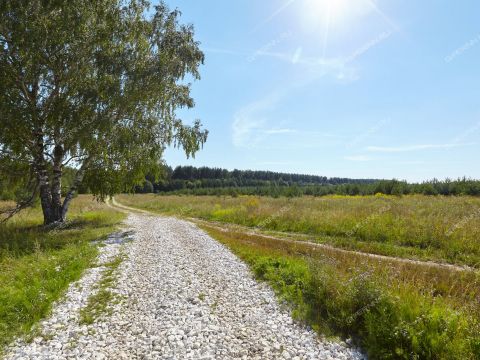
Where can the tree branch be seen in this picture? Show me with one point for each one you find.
(72, 158)
(9, 213)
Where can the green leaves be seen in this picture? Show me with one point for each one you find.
(100, 80)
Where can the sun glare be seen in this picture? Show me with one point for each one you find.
(334, 8)
(333, 13)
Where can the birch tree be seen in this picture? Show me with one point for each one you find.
(94, 85)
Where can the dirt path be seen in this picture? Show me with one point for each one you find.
(179, 295)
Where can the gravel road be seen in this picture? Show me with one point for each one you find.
(185, 296)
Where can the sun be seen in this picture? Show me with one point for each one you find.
(331, 9)
(326, 20)
(334, 13)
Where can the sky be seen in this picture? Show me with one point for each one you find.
(338, 88)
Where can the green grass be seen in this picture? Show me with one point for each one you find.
(103, 297)
(387, 311)
(444, 229)
(37, 265)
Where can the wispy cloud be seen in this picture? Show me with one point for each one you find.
(249, 121)
(254, 126)
(409, 148)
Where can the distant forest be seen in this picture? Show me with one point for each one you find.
(190, 180)
(216, 181)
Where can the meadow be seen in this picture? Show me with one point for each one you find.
(392, 309)
(37, 264)
(438, 228)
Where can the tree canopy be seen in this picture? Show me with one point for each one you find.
(95, 86)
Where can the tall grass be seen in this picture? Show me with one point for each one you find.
(422, 227)
(387, 311)
(37, 265)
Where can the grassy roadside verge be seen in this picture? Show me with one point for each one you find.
(391, 313)
(442, 229)
(103, 296)
(37, 265)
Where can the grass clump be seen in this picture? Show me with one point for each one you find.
(398, 323)
(38, 264)
(98, 303)
(388, 314)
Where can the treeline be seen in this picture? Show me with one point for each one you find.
(386, 187)
(243, 177)
(216, 181)
(192, 178)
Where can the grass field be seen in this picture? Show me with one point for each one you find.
(37, 265)
(445, 229)
(392, 309)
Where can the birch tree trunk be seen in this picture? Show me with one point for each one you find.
(57, 184)
(43, 180)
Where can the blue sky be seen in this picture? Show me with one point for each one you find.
(347, 88)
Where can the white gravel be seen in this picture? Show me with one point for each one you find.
(186, 297)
